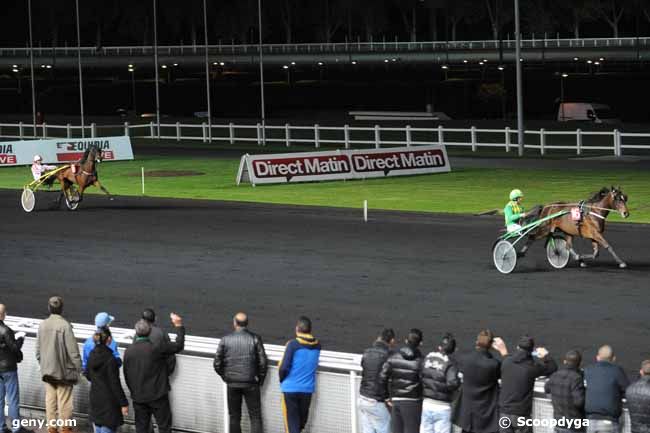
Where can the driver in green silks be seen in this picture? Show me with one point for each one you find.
(514, 211)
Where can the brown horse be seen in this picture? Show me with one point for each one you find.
(590, 226)
(84, 176)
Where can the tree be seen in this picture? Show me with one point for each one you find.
(461, 10)
(612, 11)
(541, 16)
(500, 13)
(408, 13)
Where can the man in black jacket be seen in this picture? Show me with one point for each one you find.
(440, 381)
(567, 389)
(478, 411)
(145, 372)
(373, 412)
(401, 375)
(159, 336)
(241, 362)
(638, 400)
(10, 356)
(606, 383)
(518, 374)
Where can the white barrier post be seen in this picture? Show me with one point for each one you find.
(617, 143)
(231, 133)
(287, 134)
(365, 211)
(353, 402)
(377, 137)
(93, 130)
(259, 134)
(151, 131)
(44, 129)
(346, 136)
(20, 130)
(142, 180)
(178, 131)
(126, 129)
(316, 136)
(441, 136)
(473, 134)
(578, 141)
(408, 135)
(204, 131)
(507, 139)
(542, 142)
(226, 415)
(68, 130)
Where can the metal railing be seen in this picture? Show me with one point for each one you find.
(538, 140)
(341, 47)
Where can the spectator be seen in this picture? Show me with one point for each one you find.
(241, 362)
(440, 381)
(606, 384)
(58, 355)
(10, 356)
(108, 404)
(145, 371)
(638, 400)
(401, 375)
(102, 321)
(374, 414)
(158, 336)
(518, 374)
(567, 389)
(298, 376)
(478, 410)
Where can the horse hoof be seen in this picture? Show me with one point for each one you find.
(622, 265)
(583, 265)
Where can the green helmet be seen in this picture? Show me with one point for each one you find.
(515, 194)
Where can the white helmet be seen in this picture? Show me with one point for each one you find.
(37, 158)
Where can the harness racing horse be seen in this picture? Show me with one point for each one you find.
(84, 177)
(586, 220)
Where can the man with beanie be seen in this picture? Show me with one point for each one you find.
(373, 412)
(606, 383)
(401, 375)
(158, 336)
(440, 381)
(518, 374)
(478, 410)
(102, 321)
(567, 389)
(58, 355)
(638, 400)
(297, 371)
(145, 373)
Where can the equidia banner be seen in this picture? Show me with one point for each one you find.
(62, 150)
(342, 164)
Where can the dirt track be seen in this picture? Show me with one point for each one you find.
(207, 260)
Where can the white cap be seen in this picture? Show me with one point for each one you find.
(37, 158)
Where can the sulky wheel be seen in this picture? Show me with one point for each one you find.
(504, 256)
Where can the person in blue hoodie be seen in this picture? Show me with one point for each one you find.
(298, 376)
(102, 321)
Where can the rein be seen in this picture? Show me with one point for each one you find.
(578, 204)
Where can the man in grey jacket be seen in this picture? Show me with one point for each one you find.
(58, 355)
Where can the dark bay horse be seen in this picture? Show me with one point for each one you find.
(591, 225)
(85, 175)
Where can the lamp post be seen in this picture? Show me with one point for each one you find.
(207, 69)
(133, 94)
(262, 107)
(31, 64)
(562, 77)
(520, 97)
(81, 87)
(155, 60)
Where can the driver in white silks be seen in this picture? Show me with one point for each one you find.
(39, 169)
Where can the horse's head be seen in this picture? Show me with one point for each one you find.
(96, 154)
(619, 201)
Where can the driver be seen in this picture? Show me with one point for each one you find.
(38, 168)
(514, 211)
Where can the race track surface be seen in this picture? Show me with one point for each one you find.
(207, 260)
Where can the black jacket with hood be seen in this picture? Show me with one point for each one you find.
(106, 393)
(401, 373)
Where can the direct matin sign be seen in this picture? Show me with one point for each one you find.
(342, 164)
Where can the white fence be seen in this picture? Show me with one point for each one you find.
(198, 396)
(539, 140)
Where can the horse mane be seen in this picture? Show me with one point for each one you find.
(597, 196)
(84, 158)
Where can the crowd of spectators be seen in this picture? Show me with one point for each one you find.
(488, 389)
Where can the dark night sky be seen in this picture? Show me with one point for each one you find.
(129, 22)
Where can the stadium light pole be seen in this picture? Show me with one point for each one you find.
(262, 108)
(31, 64)
(81, 86)
(207, 68)
(520, 96)
(155, 60)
